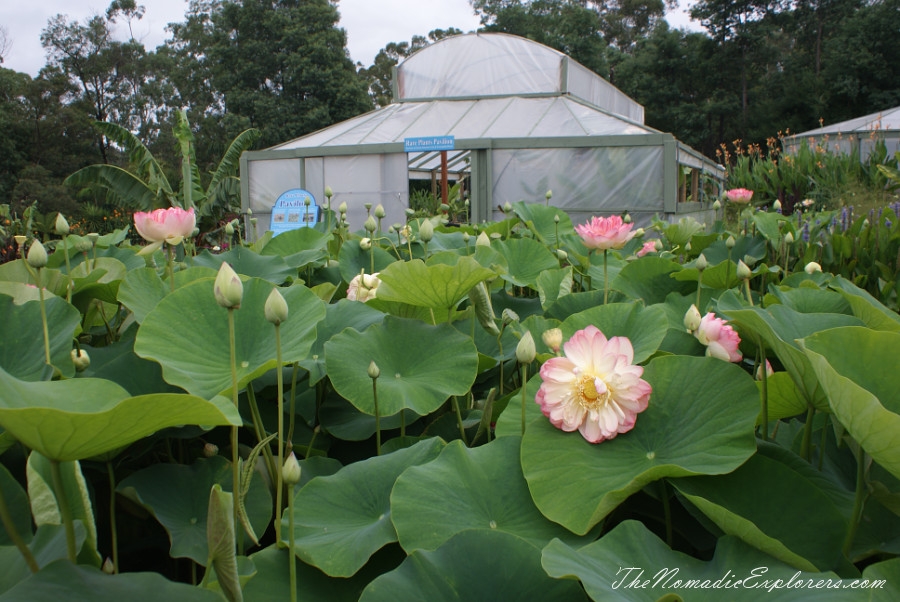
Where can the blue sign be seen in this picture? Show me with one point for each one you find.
(295, 208)
(429, 143)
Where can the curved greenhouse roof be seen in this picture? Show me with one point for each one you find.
(515, 118)
(859, 134)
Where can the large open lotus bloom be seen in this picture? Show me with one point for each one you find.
(170, 225)
(605, 233)
(594, 387)
(720, 338)
(740, 196)
(363, 287)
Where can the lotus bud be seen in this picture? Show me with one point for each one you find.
(370, 224)
(717, 205)
(788, 239)
(508, 316)
(639, 233)
(507, 207)
(556, 219)
(768, 371)
(692, 319)
(276, 308)
(195, 232)
(466, 237)
(343, 207)
(445, 207)
(228, 289)
(776, 205)
(307, 201)
(627, 218)
(561, 255)
(374, 372)
(37, 255)
(290, 472)
(108, 567)
(525, 350)
(379, 211)
(61, 226)
(81, 359)
(328, 192)
(250, 211)
(210, 450)
(20, 240)
(229, 229)
(657, 244)
(426, 231)
(812, 267)
(730, 242)
(365, 244)
(743, 270)
(750, 261)
(701, 263)
(548, 195)
(687, 247)
(553, 338)
(482, 240)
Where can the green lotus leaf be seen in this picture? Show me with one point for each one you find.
(342, 519)
(463, 488)
(47, 545)
(22, 351)
(17, 506)
(143, 289)
(79, 583)
(526, 259)
(775, 508)
(178, 496)
(435, 286)
(353, 260)
(299, 247)
(859, 376)
(70, 419)
(187, 333)
(866, 307)
(631, 564)
(700, 420)
(553, 284)
(651, 280)
(542, 220)
(645, 327)
(477, 564)
(421, 365)
(272, 268)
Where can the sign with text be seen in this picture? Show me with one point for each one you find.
(295, 208)
(429, 143)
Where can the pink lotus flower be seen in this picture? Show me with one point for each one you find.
(741, 196)
(594, 387)
(720, 339)
(649, 247)
(605, 233)
(170, 225)
(363, 287)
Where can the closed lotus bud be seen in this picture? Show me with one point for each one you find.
(276, 308)
(692, 319)
(426, 231)
(210, 450)
(374, 372)
(553, 338)
(228, 289)
(37, 255)
(687, 247)
(370, 224)
(717, 205)
(81, 359)
(329, 192)
(812, 267)
(250, 211)
(556, 219)
(508, 316)
(379, 211)
(108, 567)
(343, 207)
(290, 472)
(61, 226)
(561, 255)
(788, 239)
(548, 195)
(776, 205)
(507, 207)
(639, 233)
(229, 229)
(195, 232)
(743, 271)
(482, 240)
(307, 201)
(730, 242)
(466, 237)
(365, 244)
(701, 263)
(627, 218)
(657, 244)
(525, 350)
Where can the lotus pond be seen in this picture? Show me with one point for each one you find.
(529, 409)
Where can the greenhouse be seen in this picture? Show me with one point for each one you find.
(510, 120)
(860, 134)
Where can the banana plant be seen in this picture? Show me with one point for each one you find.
(144, 186)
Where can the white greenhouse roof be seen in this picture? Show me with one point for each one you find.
(881, 121)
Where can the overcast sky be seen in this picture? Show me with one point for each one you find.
(370, 24)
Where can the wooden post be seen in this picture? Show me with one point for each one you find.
(444, 192)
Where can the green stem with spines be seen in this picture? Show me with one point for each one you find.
(235, 469)
(64, 510)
